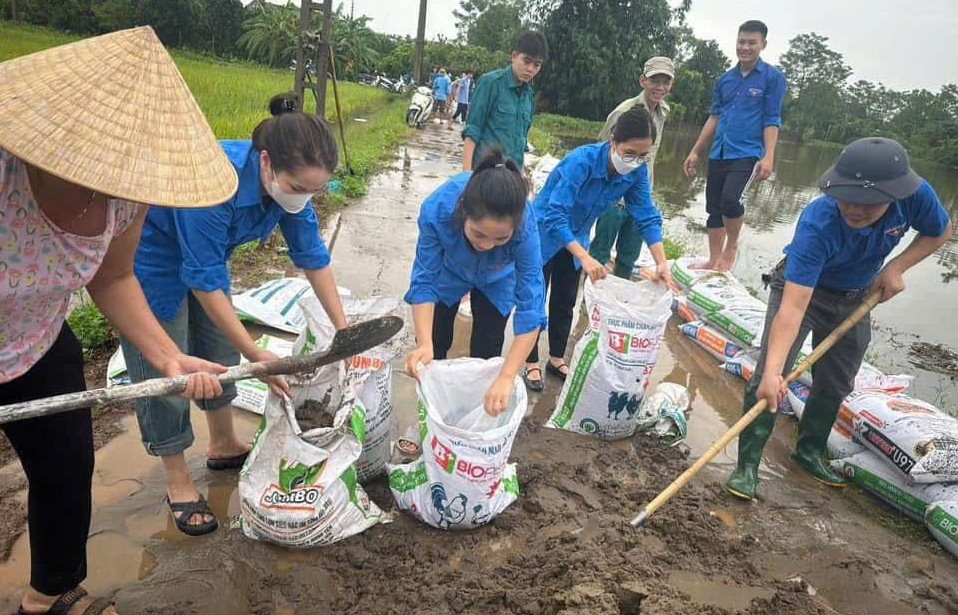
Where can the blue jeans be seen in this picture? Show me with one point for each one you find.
(165, 421)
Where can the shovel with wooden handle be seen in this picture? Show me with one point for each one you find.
(346, 343)
(838, 333)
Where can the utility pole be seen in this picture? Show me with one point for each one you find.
(306, 54)
(299, 84)
(420, 44)
(322, 62)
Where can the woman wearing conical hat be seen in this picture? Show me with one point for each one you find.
(183, 265)
(88, 131)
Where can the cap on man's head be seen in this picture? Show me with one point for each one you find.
(871, 171)
(659, 65)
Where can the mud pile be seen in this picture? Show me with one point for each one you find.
(565, 547)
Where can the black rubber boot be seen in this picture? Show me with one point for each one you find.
(751, 442)
(813, 431)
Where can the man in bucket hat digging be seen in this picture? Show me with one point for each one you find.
(871, 199)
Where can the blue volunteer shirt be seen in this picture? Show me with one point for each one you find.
(580, 190)
(447, 266)
(188, 249)
(441, 86)
(465, 84)
(828, 253)
(745, 106)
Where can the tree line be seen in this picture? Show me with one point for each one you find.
(598, 48)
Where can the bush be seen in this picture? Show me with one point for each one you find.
(91, 328)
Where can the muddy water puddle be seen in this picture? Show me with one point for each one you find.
(129, 511)
(722, 593)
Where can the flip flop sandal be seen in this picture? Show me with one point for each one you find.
(533, 385)
(557, 371)
(68, 600)
(227, 463)
(187, 510)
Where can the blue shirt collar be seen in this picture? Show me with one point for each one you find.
(759, 67)
(245, 159)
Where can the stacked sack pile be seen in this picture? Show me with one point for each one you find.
(900, 449)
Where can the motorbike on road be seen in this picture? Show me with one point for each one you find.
(420, 108)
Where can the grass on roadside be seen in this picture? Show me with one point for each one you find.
(556, 134)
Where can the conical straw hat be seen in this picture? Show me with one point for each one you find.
(113, 114)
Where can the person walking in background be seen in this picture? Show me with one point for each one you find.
(462, 98)
(616, 226)
(504, 104)
(744, 120)
(440, 91)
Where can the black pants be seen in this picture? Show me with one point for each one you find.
(56, 453)
(727, 182)
(461, 110)
(559, 273)
(488, 328)
(833, 376)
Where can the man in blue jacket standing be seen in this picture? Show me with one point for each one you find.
(745, 118)
(440, 91)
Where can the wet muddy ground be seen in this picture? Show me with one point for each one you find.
(565, 546)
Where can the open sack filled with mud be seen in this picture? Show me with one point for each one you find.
(913, 437)
(871, 474)
(612, 362)
(461, 477)
(298, 487)
(368, 376)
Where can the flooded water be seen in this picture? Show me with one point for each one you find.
(922, 311)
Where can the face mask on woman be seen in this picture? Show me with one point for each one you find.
(291, 203)
(624, 165)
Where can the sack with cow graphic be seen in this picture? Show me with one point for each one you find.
(300, 489)
(612, 362)
(459, 476)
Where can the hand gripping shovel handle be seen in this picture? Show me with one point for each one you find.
(853, 319)
(348, 342)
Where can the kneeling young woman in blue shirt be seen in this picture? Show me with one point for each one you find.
(590, 180)
(476, 235)
(182, 264)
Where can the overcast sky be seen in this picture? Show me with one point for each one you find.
(904, 44)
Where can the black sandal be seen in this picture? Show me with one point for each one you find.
(227, 463)
(533, 385)
(68, 600)
(187, 510)
(557, 371)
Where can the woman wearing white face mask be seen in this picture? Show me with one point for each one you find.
(182, 264)
(590, 180)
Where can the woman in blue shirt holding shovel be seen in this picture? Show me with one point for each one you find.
(182, 264)
(587, 182)
(477, 235)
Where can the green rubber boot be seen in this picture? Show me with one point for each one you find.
(751, 442)
(813, 430)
